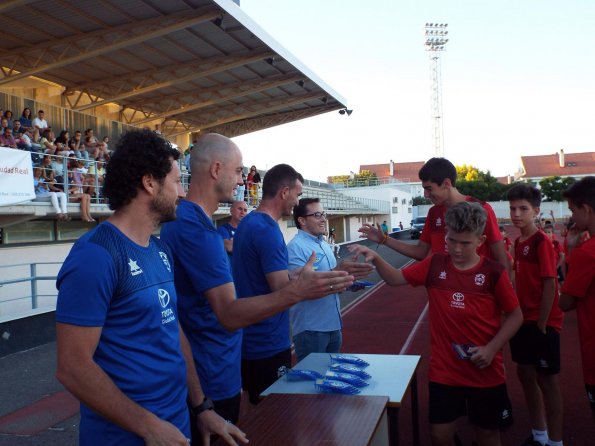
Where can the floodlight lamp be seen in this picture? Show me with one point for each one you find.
(218, 21)
(270, 61)
(301, 83)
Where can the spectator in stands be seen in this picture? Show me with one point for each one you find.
(238, 210)
(96, 170)
(47, 142)
(241, 190)
(4, 123)
(253, 182)
(40, 123)
(25, 119)
(76, 144)
(6, 138)
(91, 143)
(42, 193)
(63, 137)
(61, 143)
(105, 141)
(49, 175)
(17, 128)
(8, 116)
(84, 200)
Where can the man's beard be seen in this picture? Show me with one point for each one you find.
(164, 210)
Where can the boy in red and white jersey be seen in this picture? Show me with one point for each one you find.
(467, 296)
(558, 250)
(536, 346)
(438, 178)
(578, 291)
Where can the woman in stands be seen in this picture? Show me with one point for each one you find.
(75, 189)
(253, 181)
(25, 119)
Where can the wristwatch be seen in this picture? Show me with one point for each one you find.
(207, 404)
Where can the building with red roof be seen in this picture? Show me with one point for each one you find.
(576, 165)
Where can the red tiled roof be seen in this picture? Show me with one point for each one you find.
(549, 165)
(406, 172)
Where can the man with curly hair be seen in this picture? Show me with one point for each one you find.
(121, 350)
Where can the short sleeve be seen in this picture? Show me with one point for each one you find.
(86, 283)
(417, 273)
(271, 251)
(581, 274)
(492, 230)
(505, 295)
(547, 258)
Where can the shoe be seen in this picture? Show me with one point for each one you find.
(531, 442)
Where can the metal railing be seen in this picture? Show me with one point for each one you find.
(367, 182)
(15, 292)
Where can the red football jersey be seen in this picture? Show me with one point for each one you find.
(434, 232)
(535, 259)
(465, 309)
(580, 283)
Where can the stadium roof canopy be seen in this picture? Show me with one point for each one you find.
(192, 64)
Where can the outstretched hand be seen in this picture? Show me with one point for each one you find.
(361, 250)
(210, 423)
(312, 284)
(371, 232)
(359, 270)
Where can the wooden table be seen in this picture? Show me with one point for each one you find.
(392, 376)
(310, 420)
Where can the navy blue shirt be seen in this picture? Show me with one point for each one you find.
(108, 281)
(201, 264)
(259, 249)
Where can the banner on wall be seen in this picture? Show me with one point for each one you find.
(16, 176)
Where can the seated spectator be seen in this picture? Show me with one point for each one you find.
(17, 128)
(47, 142)
(6, 138)
(61, 143)
(42, 193)
(95, 177)
(40, 123)
(106, 142)
(49, 175)
(8, 117)
(4, 123)
(25, 119)
(91, 143)
(76, 144)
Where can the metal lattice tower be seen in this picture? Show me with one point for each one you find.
(435, 39)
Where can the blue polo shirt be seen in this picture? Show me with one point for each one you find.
(259, 249)
(320, 314)
(201, 264)
(108, 281)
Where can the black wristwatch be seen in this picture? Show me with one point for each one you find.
(207, 404)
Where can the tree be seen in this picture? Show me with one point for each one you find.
(467, 172)
(552, 187)
(419, 200)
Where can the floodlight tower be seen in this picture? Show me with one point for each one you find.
(435, 39)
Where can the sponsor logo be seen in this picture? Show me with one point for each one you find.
(135, 270)
(165, 260)
(480, 279)
(438, 222)
(167, 315)
(526, 251)
(543, 364)
(505, 414)
(458, 300)
(442, 275)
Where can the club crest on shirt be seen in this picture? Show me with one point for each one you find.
(458, 300)
(442, 275)
(526, 251)
(480, 279)
(135, 270)
(165, 260)
(438, 222)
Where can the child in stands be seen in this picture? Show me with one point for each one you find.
(468, 294)
(536, 346)
(578, 291)
(558, 250)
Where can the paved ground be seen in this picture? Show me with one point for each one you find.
(36, 411)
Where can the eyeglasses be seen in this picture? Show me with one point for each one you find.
(317, 215)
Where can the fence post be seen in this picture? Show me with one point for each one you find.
(33, 280)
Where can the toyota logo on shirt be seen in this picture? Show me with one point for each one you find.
(458, 300)
(163, 297)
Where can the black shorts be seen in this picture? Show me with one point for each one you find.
(258, 374)
(488, 408)
(591, 395)
(529, 346)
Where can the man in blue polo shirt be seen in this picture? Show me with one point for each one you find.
(209, 311)
(120, 347)
(315, 324)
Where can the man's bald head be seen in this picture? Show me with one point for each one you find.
(209, 148)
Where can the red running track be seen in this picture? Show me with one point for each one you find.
(383, 322)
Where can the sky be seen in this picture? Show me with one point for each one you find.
(518, 78)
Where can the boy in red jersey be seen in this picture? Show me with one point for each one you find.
(438, 177)
(508, 246)
(579, 287)
(467, 296)
(536, 346)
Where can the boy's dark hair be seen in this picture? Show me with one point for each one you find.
(277, 178)
(582, 192)
(437, 170)
(525, 191)
(466, 217)
(300, 210)
(138, 153)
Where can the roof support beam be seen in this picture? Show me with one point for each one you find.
(260, 108)
(75, 49)
(222, 64)
(6, 5)
(236, 90)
